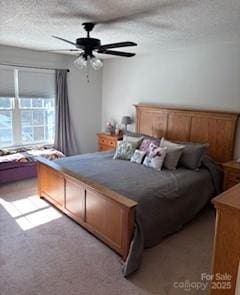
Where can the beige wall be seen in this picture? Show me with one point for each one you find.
(206, 77)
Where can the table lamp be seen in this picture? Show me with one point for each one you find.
(126, 120)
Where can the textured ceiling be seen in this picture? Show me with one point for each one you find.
(152, 24)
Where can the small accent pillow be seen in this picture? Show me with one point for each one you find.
(124, 150)
(155, 157)
(138, 156)
(174, 152)
(145, 145)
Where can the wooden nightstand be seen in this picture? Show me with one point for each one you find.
(231, 174)
(107, 142)
(226, 251)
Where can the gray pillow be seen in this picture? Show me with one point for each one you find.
(135, 134)
(174, 152)
(192, 155)
(133, 139)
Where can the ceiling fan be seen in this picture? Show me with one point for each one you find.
(88, 46)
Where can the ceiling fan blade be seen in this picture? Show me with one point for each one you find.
(72, 50)
(64, 40)
(118, 53)
(117, 45)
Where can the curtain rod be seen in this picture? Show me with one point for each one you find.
(31, 67)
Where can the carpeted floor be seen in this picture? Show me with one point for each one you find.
(44, 252)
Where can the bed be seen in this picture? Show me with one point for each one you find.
(130, 207)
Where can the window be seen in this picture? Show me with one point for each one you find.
(27, 109)
(6, 106)
(37, 118)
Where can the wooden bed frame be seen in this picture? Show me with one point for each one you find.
(109, 215)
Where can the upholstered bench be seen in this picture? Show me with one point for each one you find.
(21, 165)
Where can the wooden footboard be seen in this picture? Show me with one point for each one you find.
(105, 213)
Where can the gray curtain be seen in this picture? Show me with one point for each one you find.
(64, 137)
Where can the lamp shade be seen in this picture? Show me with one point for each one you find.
(126, 120)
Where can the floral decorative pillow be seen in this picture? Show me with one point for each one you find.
(155, 157)
(146, 144)
(124, 150)
(138, 156)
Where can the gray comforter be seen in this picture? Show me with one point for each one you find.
(166, 199)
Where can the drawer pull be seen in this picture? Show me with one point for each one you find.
(107, 142)
(101, 140)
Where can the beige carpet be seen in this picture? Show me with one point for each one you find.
(44, 252)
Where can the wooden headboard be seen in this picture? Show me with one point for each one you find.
(218, 129)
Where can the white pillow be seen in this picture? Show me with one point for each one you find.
(138, 156)
(155, 157)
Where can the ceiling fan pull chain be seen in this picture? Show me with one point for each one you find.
(88, 70)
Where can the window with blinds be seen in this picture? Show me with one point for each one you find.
(27, 100)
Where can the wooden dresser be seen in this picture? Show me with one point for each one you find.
(226, 252)
(107, 142)
(231, 174)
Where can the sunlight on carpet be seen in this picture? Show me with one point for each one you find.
(30, 212)
(41, 253)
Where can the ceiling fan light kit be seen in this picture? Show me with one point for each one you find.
(83, 60)
(96, 63)
(80, 62)
(87, 46)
